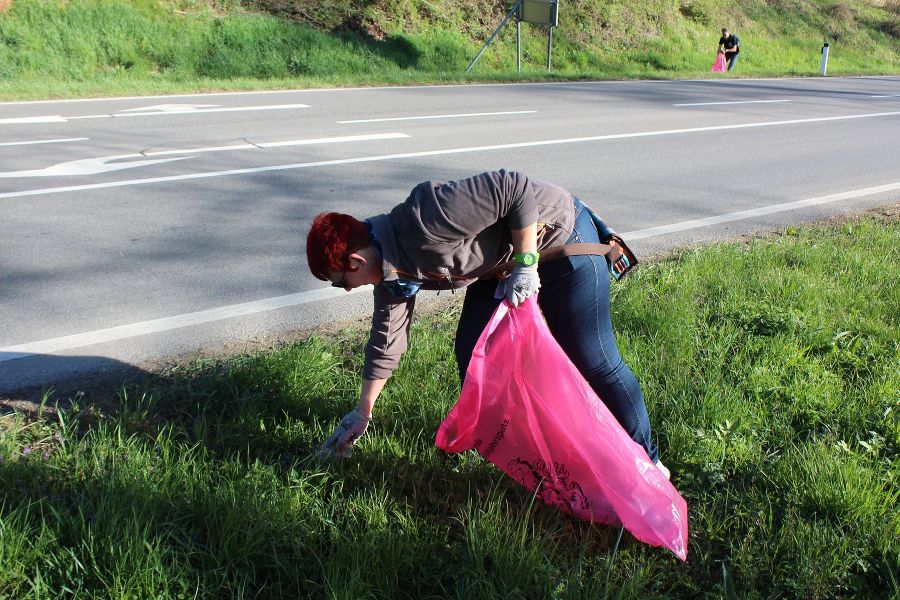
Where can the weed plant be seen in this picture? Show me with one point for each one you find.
(771, 374)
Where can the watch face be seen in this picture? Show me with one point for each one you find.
(527, 258)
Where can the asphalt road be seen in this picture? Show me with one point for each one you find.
(136, 229)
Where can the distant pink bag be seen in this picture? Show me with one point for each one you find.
(526, 408)
(719, 65)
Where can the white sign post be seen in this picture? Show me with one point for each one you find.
(539, 12)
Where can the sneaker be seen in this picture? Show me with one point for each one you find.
(663, 468)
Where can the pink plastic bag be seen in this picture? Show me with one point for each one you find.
(526, 408)
(720, 64)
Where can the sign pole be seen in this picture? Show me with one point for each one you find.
(519, 46)
(493, 35)
(549, 46)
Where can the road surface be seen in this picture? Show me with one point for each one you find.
(137, 229)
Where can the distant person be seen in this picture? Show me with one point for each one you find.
(729, 44)
(456, 234)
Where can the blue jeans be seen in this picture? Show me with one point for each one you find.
(574, 298)
(732, 58)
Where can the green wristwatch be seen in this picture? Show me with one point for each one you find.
(526, 258)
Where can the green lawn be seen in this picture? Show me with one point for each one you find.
(771, 374)
(52, 49)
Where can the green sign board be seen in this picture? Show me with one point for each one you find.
(541, 12)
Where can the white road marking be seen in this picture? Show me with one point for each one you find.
(306, 142)
(215, 110)
(640, 234)
(455, 116)
(191, 111)
(146, 112)
(170, 108)
(384, 157)
(196, 95)
(121, 332)
(26, 120)
(57, 141)
(89, 166)
(104, 164)
(737, 102)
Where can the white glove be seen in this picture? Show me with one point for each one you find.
(351, 428)
(522, 283)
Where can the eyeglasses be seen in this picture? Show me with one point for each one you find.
(340, 283)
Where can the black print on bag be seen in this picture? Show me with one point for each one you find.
(556, 489)
(486, 452)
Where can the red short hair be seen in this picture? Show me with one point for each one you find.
(332, 238)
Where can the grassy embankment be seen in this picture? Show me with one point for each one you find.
(50, 48)
(771, 373)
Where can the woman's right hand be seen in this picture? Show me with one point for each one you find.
(350, 429)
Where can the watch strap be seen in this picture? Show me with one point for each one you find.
(527, 258)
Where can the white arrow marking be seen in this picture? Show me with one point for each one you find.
(193, 111)
(93, 166)
(306, 142)
(89, 166)
(144, 112)
(170, 108)
(215, 110)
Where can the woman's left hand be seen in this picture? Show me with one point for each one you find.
(522, 283)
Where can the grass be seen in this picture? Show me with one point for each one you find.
(771, 374)
(54, 49)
